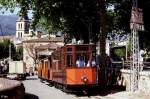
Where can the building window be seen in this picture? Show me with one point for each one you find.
(18, 26)
(21, 26)
(18, 34)
(21, 34)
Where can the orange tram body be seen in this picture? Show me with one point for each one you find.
(62, 70)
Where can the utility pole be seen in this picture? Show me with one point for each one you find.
(136, 24)
(90, 31)
(9, 52)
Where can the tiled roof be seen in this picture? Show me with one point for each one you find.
(46, 39)
(47, 49)
(51, 46)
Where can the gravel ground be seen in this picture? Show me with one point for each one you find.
(37, 90)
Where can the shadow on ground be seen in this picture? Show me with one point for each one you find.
(30, 96)
(100, 92)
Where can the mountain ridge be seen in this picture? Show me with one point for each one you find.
(8, 24)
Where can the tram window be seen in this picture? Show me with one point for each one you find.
(42, 62)
(50, 62)
(69, 60)
(80, 62)
(69, 49)
(46, 64)
(83, 58)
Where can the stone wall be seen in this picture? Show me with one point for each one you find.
(11, 89)
(143, 84)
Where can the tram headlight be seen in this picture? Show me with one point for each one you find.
(84, 79)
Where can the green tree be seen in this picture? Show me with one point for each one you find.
(19, 54)
(5, 47)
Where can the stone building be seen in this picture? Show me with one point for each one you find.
(30, 49)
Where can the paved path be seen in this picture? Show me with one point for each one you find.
(37, 90)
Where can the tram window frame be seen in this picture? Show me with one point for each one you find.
(50, 62)
(46, 64)
(69, 49)
(42, 62)
(69, 62)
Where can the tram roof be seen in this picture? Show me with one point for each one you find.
(46, 39)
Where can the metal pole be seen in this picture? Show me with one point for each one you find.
(134, 77)
(90, 31)
(10, 52)
(135, 61)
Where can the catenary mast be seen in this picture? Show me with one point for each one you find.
(136, 24)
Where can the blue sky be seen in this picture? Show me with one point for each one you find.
(14, 13)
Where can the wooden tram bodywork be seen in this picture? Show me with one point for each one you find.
(60, 68)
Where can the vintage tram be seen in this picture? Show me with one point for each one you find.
(71, 67)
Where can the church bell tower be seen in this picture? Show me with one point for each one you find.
(22, 27)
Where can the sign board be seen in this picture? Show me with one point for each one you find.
(136, 21)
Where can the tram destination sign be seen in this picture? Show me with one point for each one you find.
(136, 21)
